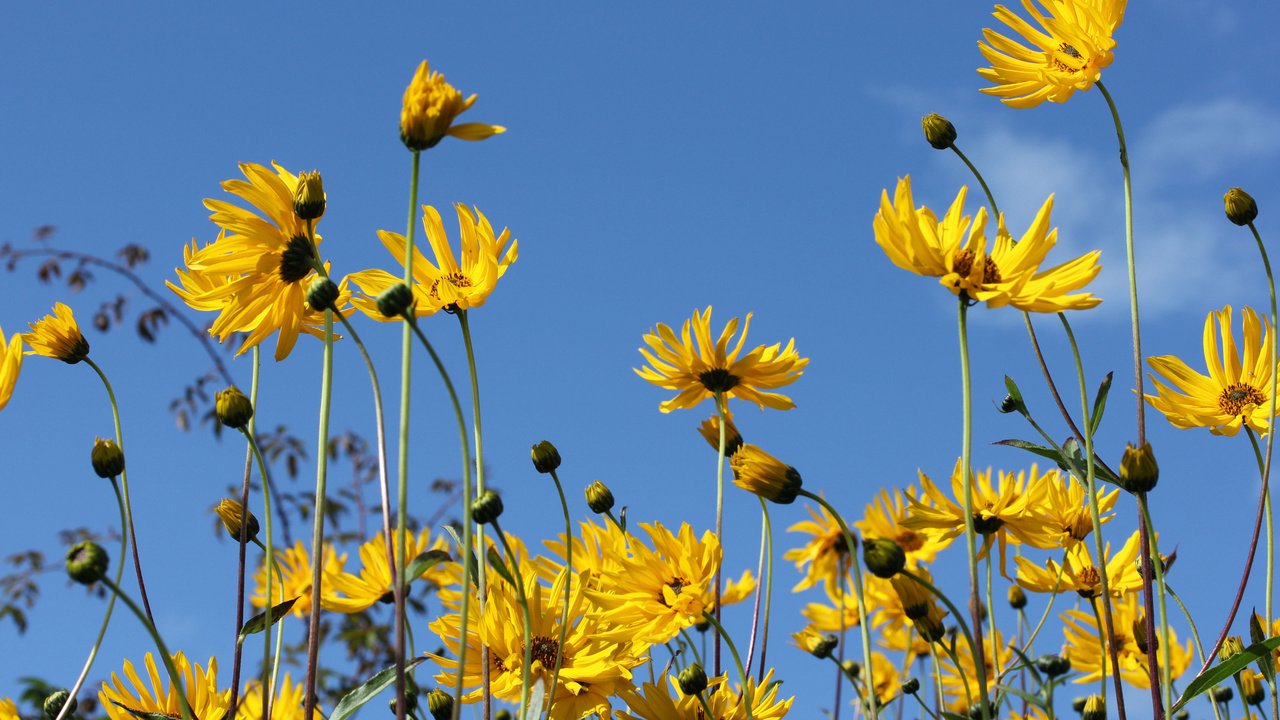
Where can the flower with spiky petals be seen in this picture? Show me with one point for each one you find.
(10, 365)
(257, 272)
(593, 668)
(1081, 574)
(599, 550)
(57, 336)
(449, 283)
(884, 517)
(1066, 53)
(838, 614)
(1084, 649)
(888, 680)
(1066, 512)
(295, 566)
(822, 557)
(125, 701)
(8, 710)
(955, 679)
(287, 704)
(345, 592)
(888, 615)
(429, 109)
(700, 370)
(657, 593)
(657, 702)
(1237, 390)
(956, 251)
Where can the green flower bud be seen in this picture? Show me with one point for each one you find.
(1095, 708)
(395, 301)
(1251, 687)
(53, 704)
(410, 698)
(599, 499)
(939, 131)
(232, 408)
(1182, 714)
(1053, 665)
(1138, 469)
(87, 562)
(1140, 638)
(545, 457)
(503, 714)
(851, 669)
(1078, 704)
(884, 558)
(107, 458)
(1017, 597)
(1222, 693)
(486, 508)
(1241, 209)
(308, 197)
(911, 686)
(322, 294)
(692, 679)
(440, 703)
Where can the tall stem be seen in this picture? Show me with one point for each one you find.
(568, 589)
(243, 542)
(1273, 354)
(970, 534)
(479, 441)
(523, 598)
(720, 453)
(748, 701)
(317, 529)
(175, 679)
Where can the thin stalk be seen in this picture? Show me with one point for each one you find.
(768, 589)
(955, 613)
(748, 701)
(1158, 565)
(970, 533)
(1195, 637)
(242, 542)
(175, 679)
(991, 199)
(755, 610)
(991, 612)
(523, 599)
(1053, 596)
(475, 423)
(270, 669)
(1273, 354)
(720, 453)
(568, 589)
(1104, 640)
(317, 530)
(689, 641)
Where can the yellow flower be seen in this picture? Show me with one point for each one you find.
(1066, 513)
(8, 711)
(160, 696)
(10, 365)
(821, 558)
(1079, 572)
(287, 704)
(1083, 647)
(430, 106)
(257, 272)
(445, 284)
(955, 251)
(295, 566)
(1237, 390)
(884, 519)
(956, 678)
(838, 614)
(599, 551)
(888, 683)
(57, 336)
(1067, 53)
(658, 703)
(347, 593)
(758, 472)
(699, 371)
(815, 642)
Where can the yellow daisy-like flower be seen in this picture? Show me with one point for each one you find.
(256, 274)
(838, 614)
(8, 711)
(1068, 51)
(429, 109)
(888, 681)
(657, 593)
(955, 679)
(1065, 511)
(656, 702)
(821, 558)
(599, 551)
(287, 704)
(1080, 573)
(1083, 647)
(955, 251)
(699, 371)
(295, 566)
(10, 365)
(888, 614)
(158, 695)
(57, 336)
(762, 474)
(446, 284)
(1237, 391)
(348, 593)
(884, 519)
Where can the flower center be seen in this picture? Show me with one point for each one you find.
(963, 266)
(676, 585)
(1236, 397)
(718, 380)
(909, 540)
(457, 280)
(1090, 582)
(296, 260)
(1067, 59)
(986, 525)
(545, 650)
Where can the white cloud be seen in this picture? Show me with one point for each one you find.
(1188, 143)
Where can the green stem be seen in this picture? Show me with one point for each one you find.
(317, 531)
(995, 211)
(970, 533)
(720, 454)
(747, 700)
(174, 678)
(991, 612)
(475, 423)
(1195, 637)
(768, 588)
(692, 648)
(1157, 565)
(523, 598)
(568, 589)
(955, 612)
(1274, 353)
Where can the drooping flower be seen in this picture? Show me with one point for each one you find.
(825, 553)
(1067, 52)
(758, 472)
(448, 283)
(1081, 574)
(955, 250)
(10, 365)
(158, 694)
(295, 566)
(429, 109)
(348, 593)
(1080, 628)
(657, 702)
(699, 370)
(286, 705)
(1235, 393)
(57, 336)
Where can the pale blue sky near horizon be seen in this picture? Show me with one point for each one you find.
(658, 159)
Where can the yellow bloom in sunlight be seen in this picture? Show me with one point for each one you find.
(655, 702)
(257, 272)
(158, 695)
(10, 365)
(1067, 53)
(593, 668)
(1237, 390)
(599, 551)
(956, 678)
(764, 475)
(888, 681)
(821, 558)
(295, 566)
(8, 711)
(1083, 647)
(1065, 510)
(286, 705)
(698, 371)
(888, 614)
(839, 613)
(1080, 573)
(57, 336)
(429, 109)
(446, 284)
(348, 593)
(657, 593)
(883, 520)
(955, 250)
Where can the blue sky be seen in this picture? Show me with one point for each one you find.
(658, 159)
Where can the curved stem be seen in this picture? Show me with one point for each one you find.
(568, 589)
(995, 211)
(768, 589)
(748, 701)
(174, 678)
(1274, 353)
(967, 490)
(317, 530)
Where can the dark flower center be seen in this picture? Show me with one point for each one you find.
(1091, 582)
(457, 280)
(545, 650)
(676, 585)
(297, 259)
(1236, 397)
(718, 380)
(909, 540)
(986, 525)
(963, 265)
(1067, 59)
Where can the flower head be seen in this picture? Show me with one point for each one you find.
(1080, 573)
(702, 369)
(1080, 629)
(756, 471)
(286, 705)
(821, 558)
(348, 593)
(430, 107)
(884, 518)
(656, 702)
(57, 336)
(295, 566)
(124, 701)
(8, 710)
(1068, 51)
(10, 364)
(1237, 390)
(954, 249)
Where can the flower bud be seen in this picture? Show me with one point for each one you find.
(231, 513)
(322, 294)
(851, 669)
(1138, 469)
(1222, 693)
(710, 431)
(599, 499)
(911, 686)
(1231, 645)
(107, 458)
(692, 680)
(914, 597)
(756, 471)
(1241, 209)
(545, 457)
(1140, 638)
(503, 714)
(1017, 597)
(930, 625)
(1078, 704)
(308, 197)
(1182, 714)
(486, 508)
(1251, 687)
(53, 704)
(232, 408)
(884, 558)
(1053, 665)
(395, 301)
(815, 643)
(1095, 708)
(87, 562)
(440, 703)
(939, 131)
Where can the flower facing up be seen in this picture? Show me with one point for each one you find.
(450, 283)
(295, 566)
(348, 593)
(158, 695)
(1237, 390)
(1066, 511)
(758, 472)
(10, 364)
(658, 702)
(1081, 573)
(699, 370)
(954, 249)
(1080, 628)
(286, 705)
(1067, 52)
(56, 336)
(430, 107)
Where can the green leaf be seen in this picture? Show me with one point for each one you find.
(1265, 663)
(1016, 395)
(140, 714)
(353, 700)
(471, 556)
(499, 566)
(1224, 670)
(1099, 405)
(537, 696)
(1027, 697)
(425, 562)
(1041, 450)
(259, 622)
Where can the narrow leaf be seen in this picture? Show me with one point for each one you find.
(537, 696)
(1016, 395)
(1027, 697)
(1041, 450)
(1224, 670)
(1099, 405)
(353, 700)
(425, 562)
(471, 556)
(499, 566)
(1266, 664)
(260, 622)
(141, 715)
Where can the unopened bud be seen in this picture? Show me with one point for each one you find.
(1240, 206)
(1053, 665)
(1232, 645)
(53, 704)
(692, 680)
(1017, 597)
(599, 499)
(107, 458)
(232, 408)
(545, 457)
(938, 130)
(308, 197)
(395, 301)
(1095, 708)
(440, 703)
(710, 431)
(87, 562)
(486, 508)
(1140, 637)
(1078, 704)
(851, 669)
(1251, 687)
(231, 513)
(884, 558)
(322, 294)
(911, 686)
(1222, 693)
(1138, 469)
